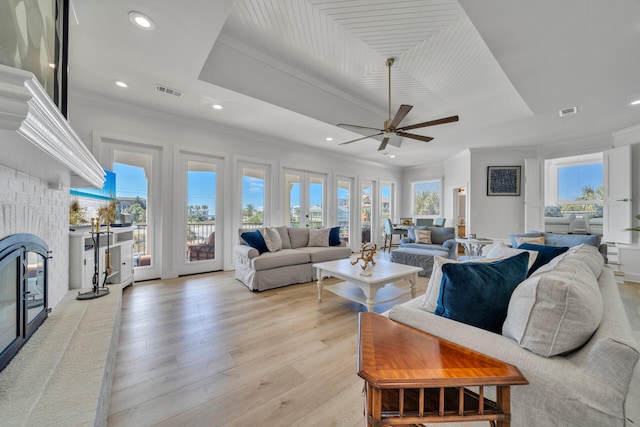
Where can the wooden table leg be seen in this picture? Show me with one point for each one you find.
(412, 280)
(319, 282)
(503, 399)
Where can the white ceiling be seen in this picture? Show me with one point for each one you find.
(293, 69)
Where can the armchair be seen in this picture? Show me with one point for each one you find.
(557, 222)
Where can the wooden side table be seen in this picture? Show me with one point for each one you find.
(412, 377)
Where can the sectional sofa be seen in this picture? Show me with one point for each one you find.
(289, 263)
(565, 329)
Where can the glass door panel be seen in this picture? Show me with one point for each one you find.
(292, 185)
(315, 203)
(305, 199)
(253, 197)
(200, 211)
(132, 189)
(344, 208)
(366, 211)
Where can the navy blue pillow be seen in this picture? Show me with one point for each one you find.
(334, 236)
(255, 240)
(545, 254)
(478, 293)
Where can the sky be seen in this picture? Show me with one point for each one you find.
(571, 179)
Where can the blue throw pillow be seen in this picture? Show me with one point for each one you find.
(478, 293)
(545, 254)
(255, 240)
(334, 236)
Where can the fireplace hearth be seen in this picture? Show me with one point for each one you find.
(23, 291)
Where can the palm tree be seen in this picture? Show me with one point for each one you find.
(427, 203)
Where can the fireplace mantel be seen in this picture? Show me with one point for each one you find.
(36, 139)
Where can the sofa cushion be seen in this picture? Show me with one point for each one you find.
(283, 258)
(500, 250)
(299, 237)
(255, 240)
(556, 311)
(478, 294)
(439, 235)
(423, 237)
(329, 253)
(284, 236)
(318, 237)
(271, 239)
(545, 254)
(430, 299)
(558, 239)
(334, 237)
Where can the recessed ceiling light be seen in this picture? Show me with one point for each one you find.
(636, 102)
(217, 107)
(120, 83)
(329, 138)
(393, 156)
(141, 21)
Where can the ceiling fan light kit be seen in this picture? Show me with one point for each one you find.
(391, 128)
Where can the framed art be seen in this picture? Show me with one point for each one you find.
(503, 180)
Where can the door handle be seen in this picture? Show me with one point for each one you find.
(622, 200)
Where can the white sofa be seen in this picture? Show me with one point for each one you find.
(585, 387)
(287, 266)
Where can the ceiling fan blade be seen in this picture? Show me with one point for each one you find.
(431, 123)
(383, 144)
(360, 139)
(357, 126)
(414, 136)
(401, 114)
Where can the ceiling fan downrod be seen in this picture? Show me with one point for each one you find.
(389, 63)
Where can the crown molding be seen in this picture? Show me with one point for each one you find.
(36, 139)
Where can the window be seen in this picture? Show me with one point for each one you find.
(253, 196)
(343, 205)
(386, 201)
(574, 183)
(427, 198)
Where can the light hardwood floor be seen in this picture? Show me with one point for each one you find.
(205, 351)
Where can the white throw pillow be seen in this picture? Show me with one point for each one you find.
(555, 312)
(500, 250)
(430, 299)
(271, 239)
(423, 236)
(319, 237)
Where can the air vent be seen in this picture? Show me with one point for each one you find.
(168, 91)
(568, 111)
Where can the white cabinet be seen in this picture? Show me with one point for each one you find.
(118, 244)
(629, 261)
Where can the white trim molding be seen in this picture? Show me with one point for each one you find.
(35, 138)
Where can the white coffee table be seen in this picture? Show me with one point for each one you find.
(376, 288)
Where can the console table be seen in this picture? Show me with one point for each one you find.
(412, 377)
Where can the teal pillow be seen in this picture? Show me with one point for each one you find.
(545, 254)
(255, 240)
(334, 236)
(478, 293)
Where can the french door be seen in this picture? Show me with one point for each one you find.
(305, 199)
(199, 239)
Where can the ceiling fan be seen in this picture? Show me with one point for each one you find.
(391, 126)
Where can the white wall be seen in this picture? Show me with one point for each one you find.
(106, 119)
(495, 216)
